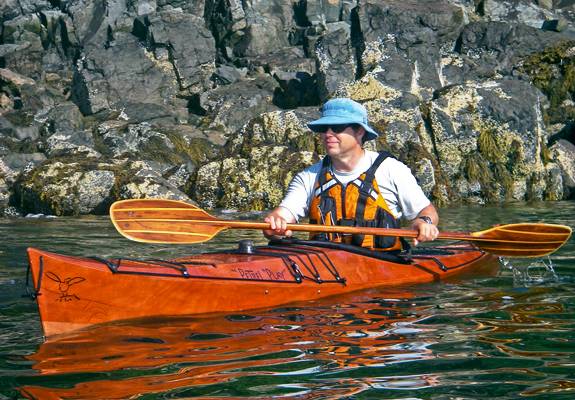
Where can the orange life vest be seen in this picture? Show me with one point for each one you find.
(359, 203)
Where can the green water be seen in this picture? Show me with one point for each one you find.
(505, 337)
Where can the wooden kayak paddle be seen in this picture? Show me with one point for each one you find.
(172, 221)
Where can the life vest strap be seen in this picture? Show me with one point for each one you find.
(366, 186)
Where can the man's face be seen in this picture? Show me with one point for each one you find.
(340, 140)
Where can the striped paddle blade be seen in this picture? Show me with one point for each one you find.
(163, 221)
(523, 239)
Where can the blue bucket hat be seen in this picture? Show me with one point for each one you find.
(340, 112)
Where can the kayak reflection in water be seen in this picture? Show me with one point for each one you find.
(353, 186)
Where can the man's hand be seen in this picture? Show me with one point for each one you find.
(278, 220)
(426, 225)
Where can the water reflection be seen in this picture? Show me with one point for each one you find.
(452, 339)
(279, 352)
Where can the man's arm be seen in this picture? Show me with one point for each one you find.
(426, 224)
(294, 204)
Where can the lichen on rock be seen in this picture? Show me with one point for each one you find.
(209, 100)
(67, 188)
(254, 183)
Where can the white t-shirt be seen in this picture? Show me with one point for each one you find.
(397, 185)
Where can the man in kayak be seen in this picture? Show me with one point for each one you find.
(353, 186)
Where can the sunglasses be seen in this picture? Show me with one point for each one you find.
(334, 128)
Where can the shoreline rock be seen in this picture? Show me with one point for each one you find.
(207, 101)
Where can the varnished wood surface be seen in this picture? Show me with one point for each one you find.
(74, 292)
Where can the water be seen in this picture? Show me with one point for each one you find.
(504, 337)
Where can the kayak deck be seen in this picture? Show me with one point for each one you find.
(75, 292)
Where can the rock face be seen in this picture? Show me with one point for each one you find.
(207, 100)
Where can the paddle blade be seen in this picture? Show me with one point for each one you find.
(523, 239)
(163, 221)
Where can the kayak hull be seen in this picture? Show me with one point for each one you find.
(76, 292)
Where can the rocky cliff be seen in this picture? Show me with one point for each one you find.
(207, 100)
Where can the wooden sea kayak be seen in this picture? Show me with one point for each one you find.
(75, 292)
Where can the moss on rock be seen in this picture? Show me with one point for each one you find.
(476, 168)
(488, 146)
(553, 72)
